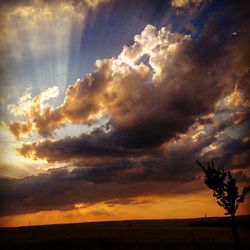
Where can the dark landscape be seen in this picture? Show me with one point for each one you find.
(210, 233)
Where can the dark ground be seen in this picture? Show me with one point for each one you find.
(195, 234)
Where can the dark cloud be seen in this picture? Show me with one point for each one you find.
(171, 172)
(242, 160)
(242, 176)
(60, 189)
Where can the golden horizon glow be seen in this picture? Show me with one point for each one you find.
(144, 208)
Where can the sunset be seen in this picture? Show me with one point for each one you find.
(106, 105)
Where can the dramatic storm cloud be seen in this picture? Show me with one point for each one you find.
(153, 90)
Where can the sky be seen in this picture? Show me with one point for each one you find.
(105, 105)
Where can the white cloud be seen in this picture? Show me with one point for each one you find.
(160, 46)
(187, 3)
(28, 106)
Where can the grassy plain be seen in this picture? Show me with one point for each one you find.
(142, 234)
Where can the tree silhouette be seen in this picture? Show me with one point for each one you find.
(226, 192)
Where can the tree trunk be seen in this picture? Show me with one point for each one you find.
(235, 233)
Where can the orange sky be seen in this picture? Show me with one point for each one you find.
(188, 206)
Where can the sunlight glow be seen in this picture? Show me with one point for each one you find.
(44, 30)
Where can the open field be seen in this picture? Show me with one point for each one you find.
(141, 234)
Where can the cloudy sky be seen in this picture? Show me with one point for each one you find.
(106, 105)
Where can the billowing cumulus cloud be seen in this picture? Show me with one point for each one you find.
(126, 87)
(108, 88)
(29, 107)
(155, 89)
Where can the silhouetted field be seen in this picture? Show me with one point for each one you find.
(213, 233)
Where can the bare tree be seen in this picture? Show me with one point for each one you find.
(226, 192)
